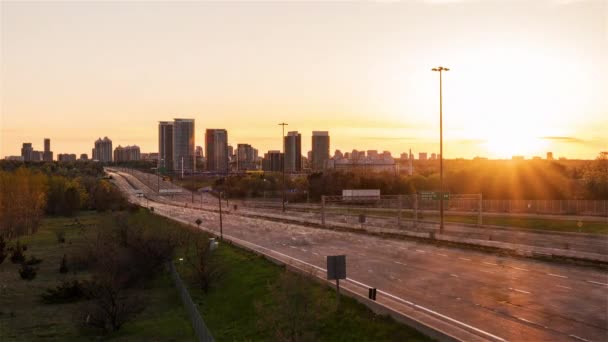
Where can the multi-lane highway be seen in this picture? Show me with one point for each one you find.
(503, 297)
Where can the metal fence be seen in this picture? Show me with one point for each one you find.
(200, 329)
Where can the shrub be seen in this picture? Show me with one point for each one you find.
(3, 251)
(67, 292)
(33, 261)
(18, 257)
(27, 272)
(60, 236)
(63, 267)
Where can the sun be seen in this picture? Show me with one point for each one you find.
(508, 144)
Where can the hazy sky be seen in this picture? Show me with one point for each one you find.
(527, 76)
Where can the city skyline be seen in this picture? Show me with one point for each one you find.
(366, 79)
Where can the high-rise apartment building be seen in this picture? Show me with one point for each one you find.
(216, 150)
(184, 158)
(128, 153)
(246, 157)
(422, 156)
(273, 161)
(103, 150)
(47, 155)
(26, 151)
(320, 150)
(293, 152)
(165, 145)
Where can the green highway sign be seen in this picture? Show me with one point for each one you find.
(432, 195)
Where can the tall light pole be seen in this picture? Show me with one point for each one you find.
(284, 158)
(441, 69)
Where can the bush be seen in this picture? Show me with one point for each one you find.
(67, 292)
(33, 261)
(63, 267)
(18, 257)
(3, 251)
(27, 272)
(60, 236)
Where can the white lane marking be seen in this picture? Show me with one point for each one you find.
(465, 259)
(486, 271)
(315, 253)
(596, 282)
(400, 263)
(294, 247)
(443, 255)
(303, 250)
(454, 275)
(556, 275)
(421, 251)
(564, 287)
(518, 268)
(489, 263)
(526, 320)
(518, 290)
(579, 338)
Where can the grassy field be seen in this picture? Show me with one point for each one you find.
(595, 227)
(231, 308)
(23, 317)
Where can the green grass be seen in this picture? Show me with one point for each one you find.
(24, 318)
(229, 309)
(594, 227)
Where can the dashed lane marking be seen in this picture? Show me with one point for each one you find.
(453, 275)
(400, 263)
(556, 275)
(596, 282)
(564, 287)
(579, 338)
(490, 263)
(465, 259)
(443, 255)
(518, 290)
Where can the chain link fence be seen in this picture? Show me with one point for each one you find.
(200, 329)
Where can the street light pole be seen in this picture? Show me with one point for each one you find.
(284, 158)
(219, 198)
(441, 69)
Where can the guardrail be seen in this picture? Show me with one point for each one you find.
(200, 329)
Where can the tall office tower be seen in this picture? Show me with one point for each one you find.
(103, 150)
(165, 145)
(26, 151)
(293, 152)
(183, 145)
(245, 157)
(47, 155)
(320, 150)
(216, 150)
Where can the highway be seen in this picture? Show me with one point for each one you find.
(514, 299)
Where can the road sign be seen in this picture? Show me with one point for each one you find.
(434, 195)
(336, 267)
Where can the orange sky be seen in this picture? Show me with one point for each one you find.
(527, 76)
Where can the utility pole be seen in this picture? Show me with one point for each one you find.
(219, 199)
(284, 158)
(441, 69)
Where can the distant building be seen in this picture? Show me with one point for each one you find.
(26, 151)
(517, 158)
(549, 155)
(338, 154)
(48, 154)
(536, 158)
(433, 156)
(84, 156)
(422, 156)
(103, 150)
(198, 151)
(404, 156)
(14, 158)
(183, 145)
(293, 152)
(153, 156)
(165, 145)
(273, 161)
(320, 150)
(37, 156)
(66, 157)
(378, 165)
(230, 152)
(246, 157)
(129, 153)
(216, 150)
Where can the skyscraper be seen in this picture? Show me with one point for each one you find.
(216, 150)
(183, 145)
(129, 153)
(103, 150)
(165, 145)
(273, 161)
(293, 152)
(320, 149)
(26, 151)
(48, 154)
(245, 157)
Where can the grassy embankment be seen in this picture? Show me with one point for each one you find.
(23, 317)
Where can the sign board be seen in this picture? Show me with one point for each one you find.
(336, 267)
(433, 195)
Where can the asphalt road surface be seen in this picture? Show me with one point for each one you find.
(515, 299)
